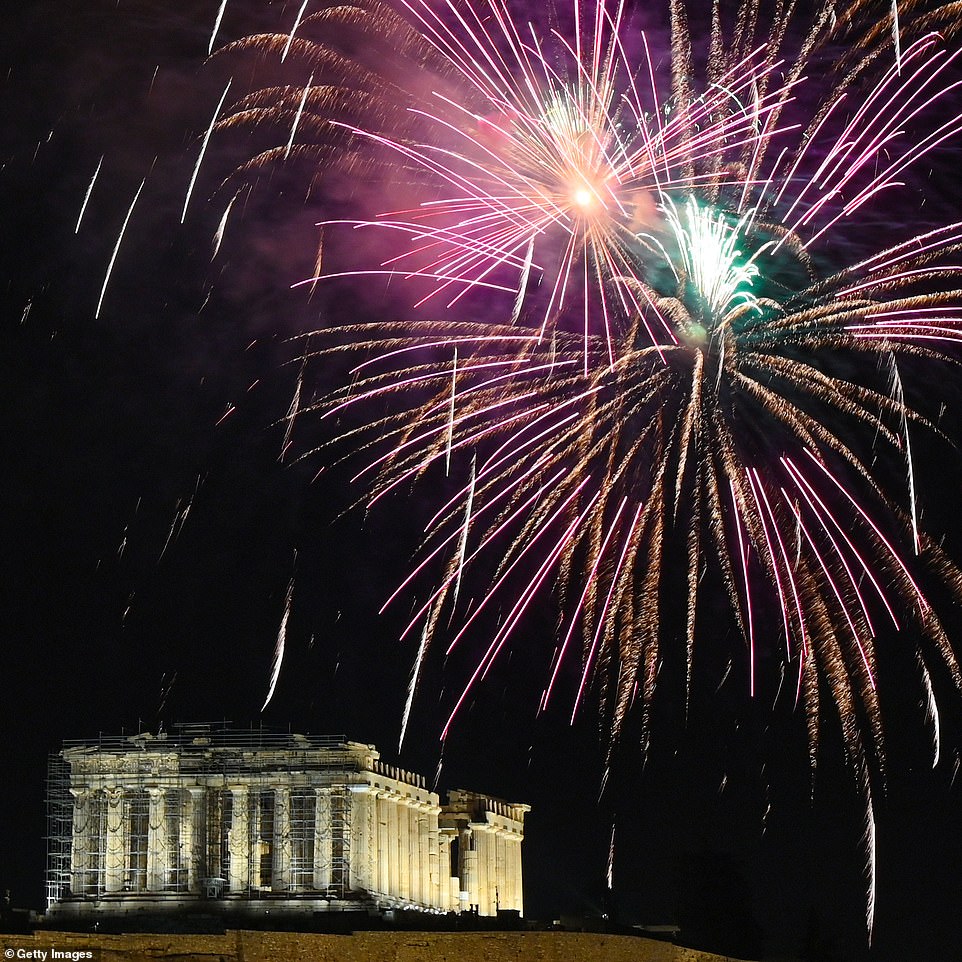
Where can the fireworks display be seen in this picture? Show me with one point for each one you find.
(675, 366)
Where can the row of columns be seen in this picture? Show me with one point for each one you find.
(363, 838)
(413, 858)
(490, 869)
(326, 833)
(105, 862)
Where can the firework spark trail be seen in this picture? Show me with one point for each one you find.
(222, 226)
(439, 592)
(515, 615)
(295, 407)
(181, 511)
(297, 116)
(573, 621)
(871, 848)
(896, 35)
(113, 256)
(90, 189)
(768, 517)
(899, 395)
(454, 387)
(290, 36)
(203, 150)
(931, 711)
(610, 875)
(509, 569)
(523, 282)
(217, 21)
(920, 598)
(743, 554)
(822, 511)
(413, 684)
(280, 645)
(616, 576)
(438, 550)
(827, 571)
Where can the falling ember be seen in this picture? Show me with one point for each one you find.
(297, 116)
(90, 188)
(413, 684)
(523, 282)
(454, 386)
(217, 20)
(203, 150)
(896, 35)
(113, 256)
(280, 645)
(610, 876)
(295, 407)
(871, 853)
(222, 226)
(181, 511)
(931, 713)
(899, 397)
(290, 36)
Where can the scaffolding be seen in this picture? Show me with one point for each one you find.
(203, 810)
(60, 818)
(341, 809)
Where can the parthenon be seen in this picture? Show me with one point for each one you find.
(255, 822)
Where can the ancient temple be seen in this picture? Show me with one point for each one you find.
(254, 822)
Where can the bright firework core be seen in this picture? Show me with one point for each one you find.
(704, 250)
(583, 198)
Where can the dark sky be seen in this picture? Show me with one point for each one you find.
(150, 531)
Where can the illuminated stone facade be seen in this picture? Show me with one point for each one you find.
(251, 822)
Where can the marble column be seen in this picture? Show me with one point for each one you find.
(491, 870)
(115, 855)
(179, 855)
(239, 842)
(508, 898)
(404, 849)
(197, 847)
(383, 844)
(361, 843)
(80, 840)
(516, 874)
(468, 870)
(448, 882)
(503, 882)
(393, 847)
(156, 840)
(481, 838)
(414, 852)
(426, 887)
(322, 839)
(281, 852)
(429, 856)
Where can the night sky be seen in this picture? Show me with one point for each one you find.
(151, 529)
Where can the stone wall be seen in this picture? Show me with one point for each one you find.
(359, 947)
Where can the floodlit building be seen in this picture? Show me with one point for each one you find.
(249, 823)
